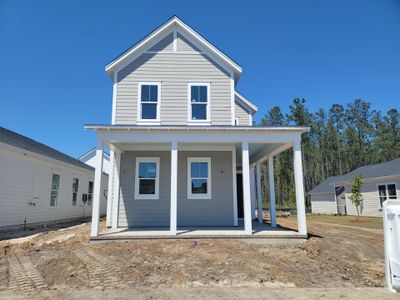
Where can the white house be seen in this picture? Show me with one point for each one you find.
(380, 182)
(89, 158)
(183, 151)
(40, 184)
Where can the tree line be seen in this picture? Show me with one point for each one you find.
(340, 140)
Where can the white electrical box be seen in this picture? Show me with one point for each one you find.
(391, 227)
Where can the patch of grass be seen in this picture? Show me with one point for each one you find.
(366, 222)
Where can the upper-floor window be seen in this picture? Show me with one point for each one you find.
(55, 186)
(75, 187)
(199, 102)
(387, 191)
(149, 101)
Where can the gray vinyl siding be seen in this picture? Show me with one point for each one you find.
(371, 204)
(166, 44)
(213, 212)
(174, 71)
(242, 114)
(184, 45)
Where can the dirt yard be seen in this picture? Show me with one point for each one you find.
(336, 256)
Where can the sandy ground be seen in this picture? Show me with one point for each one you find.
(335, 262)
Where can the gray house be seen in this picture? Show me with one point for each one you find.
(380, 182)
(183, 151)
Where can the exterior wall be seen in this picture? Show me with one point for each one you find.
(212, 212)
(323, 203)
(243, 115)
(174, 70)
(26, 179)
(371, 204)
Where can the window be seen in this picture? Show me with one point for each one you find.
(75, 186)
(199, 102)
(55, 186)
(149, 98)
(199, 178)
(147, 177)
(90, 193)
(387, 191)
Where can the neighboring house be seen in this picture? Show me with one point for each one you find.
(89, 158)
(380, 182)
(40, 184)
(183, 150)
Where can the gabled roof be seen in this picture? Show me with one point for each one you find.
(250, 106)
(91, 153)
(325, 186)
(145, 43)
(17, 140)
(390, 168)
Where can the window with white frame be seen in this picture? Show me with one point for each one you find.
(199, 178)
(387, 191)
(90, 193)
(75, 187)
(55, 186)
(147, 178)
(199, 102)
(149, 101)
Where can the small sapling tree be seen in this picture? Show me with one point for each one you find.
(356, 196)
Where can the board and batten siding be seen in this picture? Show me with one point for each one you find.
(26, 179)
(209, 212)
(174, 70)
(242, 115)
(323, 203)
(371, 204)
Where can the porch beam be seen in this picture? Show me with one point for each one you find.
(259, 194)
(272, 208)
(174, 187)
(97, 191)
(246, 188)
(299, 186)
(116, 171)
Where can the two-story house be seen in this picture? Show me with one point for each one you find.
(183, 150)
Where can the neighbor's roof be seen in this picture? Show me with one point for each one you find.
(325, 186)
(144, 44)
(390, 168)
(17, 140)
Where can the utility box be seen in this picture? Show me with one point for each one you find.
(391, 227)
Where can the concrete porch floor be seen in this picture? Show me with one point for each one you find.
(218, 232)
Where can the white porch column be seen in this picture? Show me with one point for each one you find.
(299, 185)
(116, 169)
(253, 192)
(246, 188)
(110, 191)
(259, 194)
(234, 185)
(272, 209)
(97, 191)
(174, 187)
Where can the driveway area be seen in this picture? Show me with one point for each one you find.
(343, 258)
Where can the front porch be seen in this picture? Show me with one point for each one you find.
(262, 231)
(231, 182)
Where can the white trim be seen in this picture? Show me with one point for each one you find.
(387, 192)
(233, 115)
(116, 188)
(189, 117)
(272, 208)
(259, 194)
(213, 52)
(246, 103)
(141, 121)
(299, 187)
(236, 121)
(97, 191)
(234, 188)
(248, 227)
(114, 97)
(190, 195)
(175, 41)
(174, 188)
(157, 179)
(110, 198)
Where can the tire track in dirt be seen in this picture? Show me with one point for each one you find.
(23, 276)
(101, 273)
